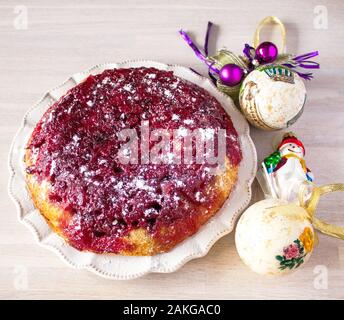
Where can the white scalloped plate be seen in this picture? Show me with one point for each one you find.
(124, 267)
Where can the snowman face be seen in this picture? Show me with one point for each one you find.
(291, 148)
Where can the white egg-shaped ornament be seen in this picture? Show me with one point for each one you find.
(272, 97)
(274, 237)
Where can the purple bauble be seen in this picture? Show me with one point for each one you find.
(266, 52)
(231, 74)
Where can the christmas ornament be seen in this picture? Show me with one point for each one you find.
(274, 236)
(272, 97)
(284, 171)
(231, 74)
(277, 235)
(265, 83)
(266, 52)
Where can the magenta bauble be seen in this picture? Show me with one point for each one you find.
(266, 52)
(231, 74)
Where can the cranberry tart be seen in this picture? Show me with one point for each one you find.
(96, 201)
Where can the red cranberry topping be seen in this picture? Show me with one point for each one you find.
(77, 146)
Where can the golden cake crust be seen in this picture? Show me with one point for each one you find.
(96, 202)
(140, 242)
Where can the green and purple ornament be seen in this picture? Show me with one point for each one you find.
(267, 85)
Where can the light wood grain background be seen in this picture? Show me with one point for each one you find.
(69, 36)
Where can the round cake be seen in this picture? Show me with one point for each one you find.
(106, 164)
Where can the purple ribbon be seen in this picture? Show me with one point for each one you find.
(197, 51)
(250, 54)
(301, 62)
(212, 68)
(206, 40)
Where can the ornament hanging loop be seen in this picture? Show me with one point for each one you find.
(311, 205)
(266, 21)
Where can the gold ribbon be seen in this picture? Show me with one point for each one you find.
(311, 204)
(266, 21)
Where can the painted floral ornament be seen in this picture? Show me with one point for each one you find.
(274, 237)
(277, 235)
(266, 84)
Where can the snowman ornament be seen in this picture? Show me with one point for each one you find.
(284, 171)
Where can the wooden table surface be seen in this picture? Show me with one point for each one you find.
(41, 45)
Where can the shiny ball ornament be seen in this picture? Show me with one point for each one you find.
(231, 74)
(266, 52)
(274, 237)
(272, 97)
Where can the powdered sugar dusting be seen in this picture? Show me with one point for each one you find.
(76, 148)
